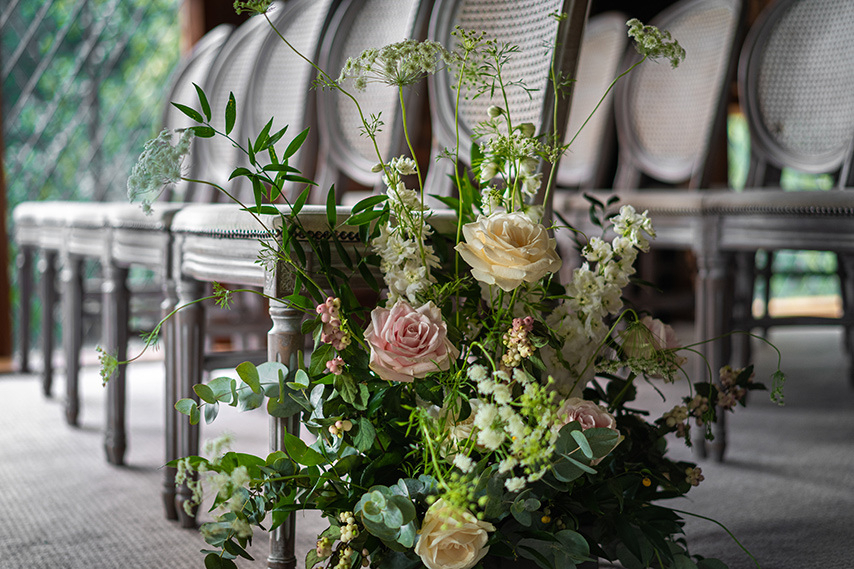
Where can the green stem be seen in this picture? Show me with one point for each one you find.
(719, 524)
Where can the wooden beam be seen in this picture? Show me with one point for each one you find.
(5, 287)
(201, 16)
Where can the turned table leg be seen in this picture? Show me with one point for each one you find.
(283, 342)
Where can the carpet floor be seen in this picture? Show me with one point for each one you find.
(786, 490)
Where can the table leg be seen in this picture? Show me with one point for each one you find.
(283, 342)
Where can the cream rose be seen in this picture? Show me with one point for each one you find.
(506, 249)
(407, 343)
(451, 538)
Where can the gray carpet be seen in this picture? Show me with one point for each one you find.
(786, 490)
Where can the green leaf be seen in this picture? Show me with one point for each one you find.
(215, 561)
(300, 452)
(366, 273)
(282, 408)
(363, 218)
(203, 131)
(211, 412)
(583, 445)
(406, 536)
(230, 113)
(347, 387)
(249, 401)
(295, 144)
(301, 379)
(205, 393)
(203, 101)
(365, 435)
(331, 214)
(405, 507)
(186, 406)
(522, 515)
(682, 562)
(602, 440)
(240, 172)
(195, 416)
(263, 136)
(222, 388)
(300, 201)
(249, 374)
(368, 203)
(190, 112)
(321, 354)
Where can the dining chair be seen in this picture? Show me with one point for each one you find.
(796, 88)
(347, 157)
(302, 22)
(40, 228)
(669, 121)
(541, 42)
(587, 164)
(89, 229)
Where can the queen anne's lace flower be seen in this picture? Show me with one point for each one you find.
(399, 64)
(654, 43)
(158, 167)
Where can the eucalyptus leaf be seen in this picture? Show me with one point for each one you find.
(249, 401)
(211, 412)
(249, 374)
(204, 392)
(186, 406)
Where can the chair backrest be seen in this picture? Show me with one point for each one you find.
(356, 26)
(527, 24)
(796, 85)
(192, 69)
(667, 118)
(230, 73)
(602, 48)
(281, 81)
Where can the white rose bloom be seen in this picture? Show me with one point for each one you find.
(507, 249)
(452, 538)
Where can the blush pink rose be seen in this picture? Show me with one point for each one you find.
(587, 413)
(407, 343)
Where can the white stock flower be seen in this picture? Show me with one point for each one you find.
(464, 463)
(515, 484)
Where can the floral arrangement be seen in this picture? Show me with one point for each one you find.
(476, 408)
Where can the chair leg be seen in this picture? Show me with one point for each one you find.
(116, 311)
(189, 354)
(47, 293)
(24, 262)
(71, 300)
(283, 342)
(845, 262)
(168, 338)
(743, 282)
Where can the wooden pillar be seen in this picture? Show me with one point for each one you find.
(5, 289)
(200, 16)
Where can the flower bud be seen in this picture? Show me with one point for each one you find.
(494, 112)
